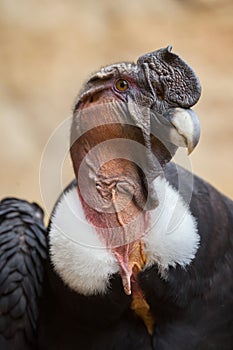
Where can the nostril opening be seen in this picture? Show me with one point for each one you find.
(160, 94)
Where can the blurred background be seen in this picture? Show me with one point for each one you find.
(49, 47)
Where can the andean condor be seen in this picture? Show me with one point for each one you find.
(138, 253)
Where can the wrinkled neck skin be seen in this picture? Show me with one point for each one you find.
(113, 195)
(116, 212)
(113, 129)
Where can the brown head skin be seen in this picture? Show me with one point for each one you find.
(127, 125)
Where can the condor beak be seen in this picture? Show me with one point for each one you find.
(179, 126)
(186, 132)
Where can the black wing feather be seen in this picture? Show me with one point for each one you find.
(23, 250)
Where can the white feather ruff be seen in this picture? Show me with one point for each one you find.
(84, 263)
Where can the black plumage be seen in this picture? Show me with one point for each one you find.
(23, 250)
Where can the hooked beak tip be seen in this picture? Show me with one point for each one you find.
(187, 128)
(192, 142)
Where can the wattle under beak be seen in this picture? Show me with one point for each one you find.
(131, 260)
(178, 126)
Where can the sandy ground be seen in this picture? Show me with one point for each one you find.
(48, 48)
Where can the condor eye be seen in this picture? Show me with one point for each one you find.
(121, 85)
